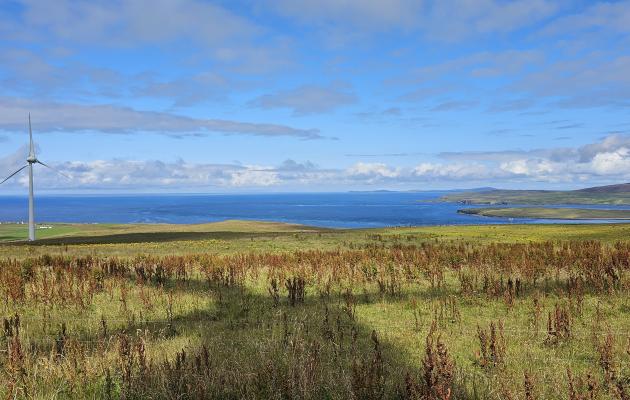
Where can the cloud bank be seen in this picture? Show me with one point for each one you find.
(307, 99)
(51, 116)
(605, 161)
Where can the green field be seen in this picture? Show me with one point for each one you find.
(244, 236)
(548, 213)
(265, 310)
(129, 232)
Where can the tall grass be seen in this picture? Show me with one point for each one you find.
(438, 320)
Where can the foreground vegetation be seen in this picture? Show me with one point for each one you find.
(495, 312)
(548, 213)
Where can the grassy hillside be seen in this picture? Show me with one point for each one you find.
(620, 188)
(548, 213)
(613, 194)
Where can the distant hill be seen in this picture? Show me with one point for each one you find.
(480, 189)
(475, 190)
(610, 194)
(620, 188)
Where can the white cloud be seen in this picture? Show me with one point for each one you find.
(131, 22)
(49, 116)
(437, 19)
(592, 80)
(610, 143)
(455, 171)
(307, 99)
(613, 16)
(607, 161)
(373, 171)
(460, 19)
(612, 163)
(254, 176)
(518, 167)
(222, 35)
(537, 168)
(118, 174)
(371, 15)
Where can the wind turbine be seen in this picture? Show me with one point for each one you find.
(31, 159)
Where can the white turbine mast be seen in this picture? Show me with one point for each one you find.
(31, 159)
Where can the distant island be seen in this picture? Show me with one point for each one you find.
(611, 194)
(549, 213)
(480, 189)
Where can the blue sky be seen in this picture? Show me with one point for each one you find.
(327, 95)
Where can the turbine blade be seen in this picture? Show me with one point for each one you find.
(13, 174)
(30, 134)
(54, 169)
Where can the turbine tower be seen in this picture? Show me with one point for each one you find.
(31, 159)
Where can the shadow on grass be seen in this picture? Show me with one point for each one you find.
(245, 331)
(148, 237)
(8, 239)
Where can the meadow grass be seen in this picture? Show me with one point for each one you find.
(254, 310)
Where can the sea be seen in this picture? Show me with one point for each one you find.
(332, 210)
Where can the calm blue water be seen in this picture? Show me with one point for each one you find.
(340, 210)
